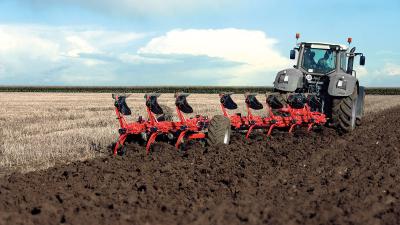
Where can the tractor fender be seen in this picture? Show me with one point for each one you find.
(288, 80)
(341, 84)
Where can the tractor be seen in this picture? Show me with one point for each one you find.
(324, 79)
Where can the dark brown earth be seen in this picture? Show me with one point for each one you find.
(318, 178)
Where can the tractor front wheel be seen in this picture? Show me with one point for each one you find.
(219, 131)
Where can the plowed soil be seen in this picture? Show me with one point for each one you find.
(317, 178)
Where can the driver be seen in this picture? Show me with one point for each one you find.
(309, 61)
(323, 63)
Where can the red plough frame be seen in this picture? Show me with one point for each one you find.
(285, 118)
(151, 128)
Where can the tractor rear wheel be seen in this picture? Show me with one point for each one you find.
(219, 131)
(344, 112)
(167, 114)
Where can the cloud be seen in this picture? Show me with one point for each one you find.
(391, 69)
(253, 51)
(35, 54)
(55, 42)
(38, 55)
(18, 40)
(79, 46)
(143, 59)
(244, 46)
(138, 7)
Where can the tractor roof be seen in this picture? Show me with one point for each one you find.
(325, 45)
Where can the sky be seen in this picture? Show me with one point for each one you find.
(187, 42)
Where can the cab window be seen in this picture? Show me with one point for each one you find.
(319, 60)
(343, 61)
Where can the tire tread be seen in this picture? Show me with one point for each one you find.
(216, 130)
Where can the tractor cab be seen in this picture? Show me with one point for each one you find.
(318, 58)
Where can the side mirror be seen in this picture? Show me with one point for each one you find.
(362, 60)
(292, 54)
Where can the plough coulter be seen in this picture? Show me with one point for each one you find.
(295, 114)
(158, 128)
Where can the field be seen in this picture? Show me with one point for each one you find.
(318, 178)
(40, 130)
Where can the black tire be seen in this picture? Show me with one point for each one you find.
(344, 112)
(167, 114)
(219, 131)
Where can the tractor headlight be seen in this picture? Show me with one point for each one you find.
(341, 84)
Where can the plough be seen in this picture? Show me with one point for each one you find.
(215, 131)
(295, 114)
(147, 131)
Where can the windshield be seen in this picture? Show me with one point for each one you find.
(317, 60)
